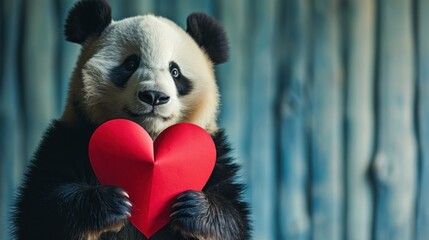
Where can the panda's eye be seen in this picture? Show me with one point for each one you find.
(174, 70)
(132, 63)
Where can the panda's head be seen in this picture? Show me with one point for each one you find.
(144, 68)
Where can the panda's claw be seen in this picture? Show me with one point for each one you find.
(114, 207)
(125, 194)
(190, 213)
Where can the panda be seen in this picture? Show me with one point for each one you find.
(148, 70)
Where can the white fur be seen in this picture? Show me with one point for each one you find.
(158, 41)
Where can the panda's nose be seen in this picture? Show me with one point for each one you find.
(153, 97)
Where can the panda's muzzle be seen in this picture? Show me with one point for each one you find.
(153, 98)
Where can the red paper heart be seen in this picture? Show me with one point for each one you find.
(153, 173)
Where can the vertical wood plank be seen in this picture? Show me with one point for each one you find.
(11, 162)
(66, 55)
(2, 41)
(177, 11)
(118, 9)
(167, 9)
(359, 117)
(232, 75)
(326, 132)
(130, 8)
(293, 213)
(423, 118)
(186, 7)
(139, 7)
(395, 159)
(260, 134)
(37, 59)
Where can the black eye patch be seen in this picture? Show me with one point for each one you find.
(119, 75)
(183, 84)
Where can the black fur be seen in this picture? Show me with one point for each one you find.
(209, 35)
(87, 18)
(122, 73)
(62, 199)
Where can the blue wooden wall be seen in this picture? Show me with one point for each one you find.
(325, 101)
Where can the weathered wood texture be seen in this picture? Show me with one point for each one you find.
(359, 116)
(423, 117)
(326, 103)
(294, 219)
(65, 56)
(260, 141)
(233, 74)
(37, 69)
(11, 157)
(395, 158)
(326, 160)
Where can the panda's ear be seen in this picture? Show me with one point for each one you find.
(87, 18)
(209, 35)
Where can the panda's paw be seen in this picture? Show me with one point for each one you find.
(192, 216)
(114, 208)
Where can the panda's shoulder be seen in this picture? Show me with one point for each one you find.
(220, 139)
(224, 152)
(62, 141)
